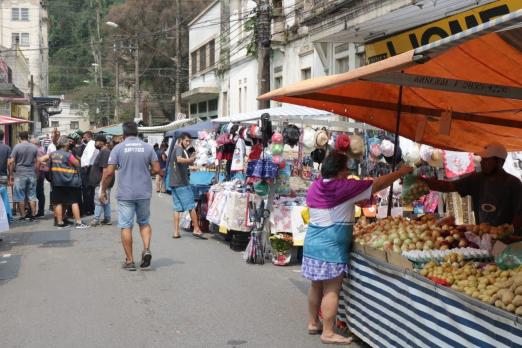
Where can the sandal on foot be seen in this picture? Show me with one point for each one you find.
(315, 331)
(199, 235)
(346, 342)
(176, 237)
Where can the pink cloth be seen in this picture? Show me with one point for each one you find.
(326, 194)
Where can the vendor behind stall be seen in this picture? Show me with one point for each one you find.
(496, 194)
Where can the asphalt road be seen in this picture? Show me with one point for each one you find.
(65, 288)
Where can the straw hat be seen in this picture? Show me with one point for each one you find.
(321, 139)
(356, 146)
(425, 152)
(436, 159)
(413, 155)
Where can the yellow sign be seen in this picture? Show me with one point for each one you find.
(440, 29)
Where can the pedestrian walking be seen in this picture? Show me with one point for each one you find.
(136, 161)
(43, 170)
(87, 159)
(23, 162)
(182, 195)
(100, 163)
(5, 175)
(162, 157)
(66, 182)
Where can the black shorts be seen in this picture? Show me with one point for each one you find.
(66, 195)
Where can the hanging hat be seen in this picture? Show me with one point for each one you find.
(387, 148)
(252, 131)
(258, 133)
(389, 159)
(291, 135)
(436, 159)
(277, 149)
(374, 146)
(425, 152)
(413, 155)
(277, 138)
(318, 155)
(277, 159)
(261, 188)
(342, 142)
(321, 139)
(356, 146)
(309, 138)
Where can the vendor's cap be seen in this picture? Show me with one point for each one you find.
(493, 150)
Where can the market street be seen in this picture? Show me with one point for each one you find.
(65, 288)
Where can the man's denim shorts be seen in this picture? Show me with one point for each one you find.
(183, 198)
(128, 209)
(24, 186)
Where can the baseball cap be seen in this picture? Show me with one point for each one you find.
(493, 150)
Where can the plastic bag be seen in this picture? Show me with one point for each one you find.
(413, 189)
(511, 257)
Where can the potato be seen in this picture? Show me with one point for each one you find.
(499, 304)
(518, 291)
(517, 301)
(508, 283)
(518, 311)
(511, 308)
(507, 297)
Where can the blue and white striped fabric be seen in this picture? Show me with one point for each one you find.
(389, 308)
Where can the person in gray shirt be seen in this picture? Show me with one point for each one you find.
(23, 159)
(182, 195)
(135, 161)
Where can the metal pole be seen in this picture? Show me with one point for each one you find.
(178, 59)
(137, 81)
(117, 92)
(263, 51)
(396, 149)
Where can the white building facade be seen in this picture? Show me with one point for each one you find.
(72, 117)
(24, 23)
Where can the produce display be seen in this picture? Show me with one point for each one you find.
(423, 256)
(485, 282)
(401, 235)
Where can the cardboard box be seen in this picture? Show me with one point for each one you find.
(377, 254)
(398, 260)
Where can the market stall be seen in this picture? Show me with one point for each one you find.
(459, 93)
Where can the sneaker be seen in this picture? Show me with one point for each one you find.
(129, 266)
(94, 223)
(60, 226)
(106, 222)
(81, 225)
(146, 256)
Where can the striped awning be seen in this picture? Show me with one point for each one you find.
(459, 93)
(388, 307)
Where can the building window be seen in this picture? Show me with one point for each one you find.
(24, 40)
(15, 39)
(211, 53)
(240, 99)
(193, 109)
(55, 124)
(306, 74)
(245, 102)
(224, 102)
(24, 14)
(15, 14)
(75, 125)
(341, 65)
(194, 62)
(202, 58)
(212, 105)
(202, 107)
(278, 82)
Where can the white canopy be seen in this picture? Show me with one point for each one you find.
(294, 114)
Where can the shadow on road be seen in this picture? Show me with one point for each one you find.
(163, 263)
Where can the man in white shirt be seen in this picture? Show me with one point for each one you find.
(87, 160)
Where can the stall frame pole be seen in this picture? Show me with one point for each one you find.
(396, 148)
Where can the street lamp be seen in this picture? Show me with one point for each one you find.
(136, 72)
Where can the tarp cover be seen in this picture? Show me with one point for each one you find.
(440, 106)
(192, 129)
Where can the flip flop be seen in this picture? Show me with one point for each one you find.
(315, 331)
(200, 236)
(338, 343)
(176, 237)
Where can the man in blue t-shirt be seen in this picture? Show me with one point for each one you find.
(135, 161)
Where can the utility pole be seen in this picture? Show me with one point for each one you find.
(178, 58)
(263, 50)
(136, 80)
(117, 87)
(100, 69)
